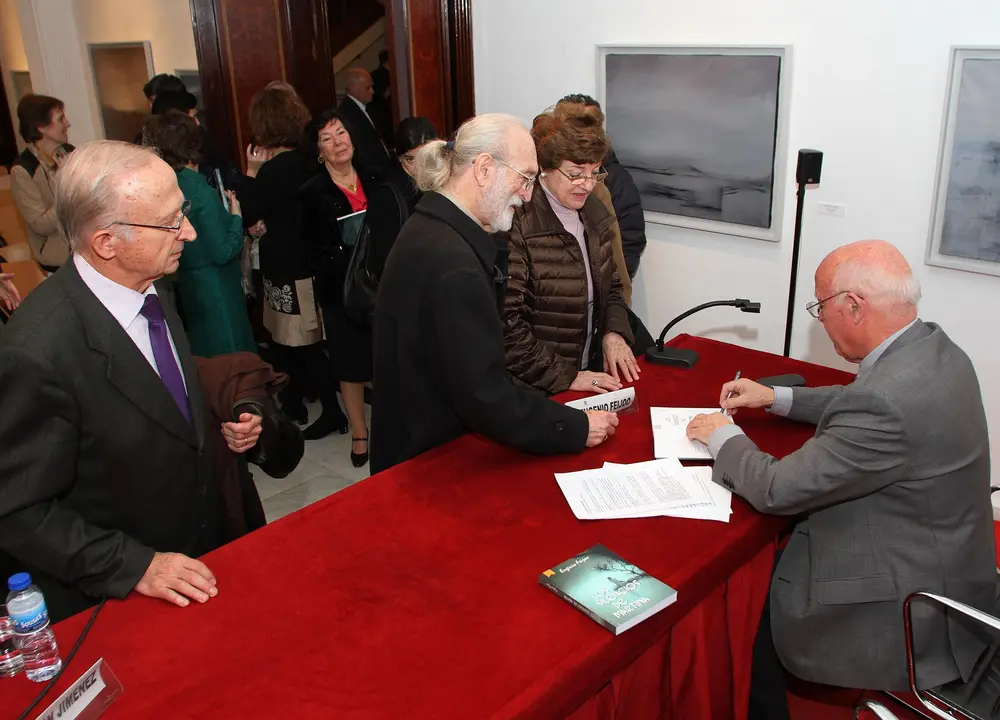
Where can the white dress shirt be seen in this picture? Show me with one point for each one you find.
(783, 395)
(125, 305)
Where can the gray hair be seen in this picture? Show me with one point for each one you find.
(878, 285)
(438, 161)
(88, 193)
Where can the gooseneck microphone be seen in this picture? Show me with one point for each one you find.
(680, 357)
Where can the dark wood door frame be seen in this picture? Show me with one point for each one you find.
(433, 52)
(8, 141)
(244, 44)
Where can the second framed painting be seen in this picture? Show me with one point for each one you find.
(703, 132)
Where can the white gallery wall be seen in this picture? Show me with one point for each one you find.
(868, 88)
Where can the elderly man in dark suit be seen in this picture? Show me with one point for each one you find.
(893, 489)
(372, 154)
(106, 482)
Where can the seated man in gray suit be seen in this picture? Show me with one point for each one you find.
(893, 490)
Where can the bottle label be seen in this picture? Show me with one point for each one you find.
(35, 618)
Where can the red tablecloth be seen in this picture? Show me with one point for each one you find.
(414, 593)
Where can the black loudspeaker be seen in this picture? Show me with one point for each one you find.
(810, 166)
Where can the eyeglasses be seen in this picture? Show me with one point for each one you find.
(598, 177)
(185, 209)
(816, 308)
(529, 182)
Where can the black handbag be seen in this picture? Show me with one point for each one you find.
(360, 286)
(360, 283)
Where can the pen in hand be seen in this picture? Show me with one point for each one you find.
(725, 411)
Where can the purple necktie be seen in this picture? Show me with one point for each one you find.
(163, 354)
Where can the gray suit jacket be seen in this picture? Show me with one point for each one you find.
(895, 491)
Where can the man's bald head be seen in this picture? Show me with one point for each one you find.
(867, 293)
(359, 84)
(876, 270)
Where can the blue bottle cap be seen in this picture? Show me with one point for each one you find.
(19, 581)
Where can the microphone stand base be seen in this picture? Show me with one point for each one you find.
(676, 357)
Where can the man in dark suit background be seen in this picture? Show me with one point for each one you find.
(106, 483)
(371, 152)
(893, 490)
(380, 108)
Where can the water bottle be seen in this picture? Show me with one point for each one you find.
(33, 637)
(11, 662)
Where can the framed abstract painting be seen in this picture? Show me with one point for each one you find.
(703, 132)
(965, 220)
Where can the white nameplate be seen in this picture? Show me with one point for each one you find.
(616, 401)
(88, 697)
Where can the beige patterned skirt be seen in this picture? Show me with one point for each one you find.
(291, 313)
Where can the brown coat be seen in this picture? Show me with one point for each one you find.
(545, 316)
(602, 193)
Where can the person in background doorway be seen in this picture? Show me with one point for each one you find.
(395, 200)
(341, 188)
(380, 107)
(209, 277)
(566, 323)
(160, 84)
(624, 193)
(372, 153)
(43, 125)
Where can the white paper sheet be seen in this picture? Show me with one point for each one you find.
(616, 401)
(718, 509)
(641, 490)
(670, 433)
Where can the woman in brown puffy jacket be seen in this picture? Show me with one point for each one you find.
(565, 320)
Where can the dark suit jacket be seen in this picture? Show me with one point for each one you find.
(439, 355)
(98, 467)
(369, 153)
(628, 207)
(896, 490)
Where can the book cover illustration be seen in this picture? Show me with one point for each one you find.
(612, 591)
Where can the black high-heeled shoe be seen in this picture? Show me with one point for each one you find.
(359, 459)
(326, 424)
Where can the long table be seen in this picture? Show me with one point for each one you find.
(414, 593)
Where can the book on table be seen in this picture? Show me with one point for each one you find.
(612, 591)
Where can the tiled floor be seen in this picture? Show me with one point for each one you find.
(325, 469)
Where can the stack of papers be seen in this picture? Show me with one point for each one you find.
(670, 438)
(648, 489)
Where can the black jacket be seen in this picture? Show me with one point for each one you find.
(99, 468)
(370, 154)
(439, 353)
(273, 196)
(628, 208)
(322, 204)
(389, 207)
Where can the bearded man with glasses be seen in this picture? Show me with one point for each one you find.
(106, 477)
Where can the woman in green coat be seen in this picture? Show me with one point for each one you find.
(209, 279)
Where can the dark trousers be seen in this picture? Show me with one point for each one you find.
(307, 366)
(768, 692)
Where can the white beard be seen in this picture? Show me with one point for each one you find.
(499, 206)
